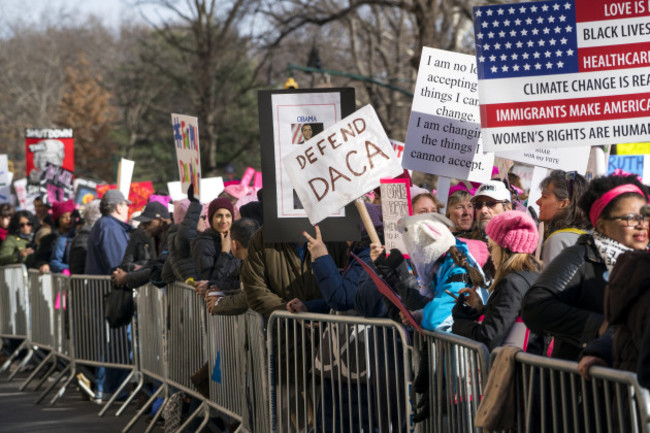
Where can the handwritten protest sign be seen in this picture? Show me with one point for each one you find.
(188, 152)
(563, 73)
(567, 159)
(444, 128)
(634, 164)
(395, 204)
(341, 163)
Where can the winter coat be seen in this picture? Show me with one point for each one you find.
(61, 252)
(214, 265)
(275, 273)
(140, 250)
(10, 250)
(567, 299)
(448, 277)
(44, 252)
(500, 312)
(149, 254)
(78, 251)
(180, 242)
(107, 242)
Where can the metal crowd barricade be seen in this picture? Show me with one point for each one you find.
(186, 343)
(255, 415)
(457, 370)
(556, 398)
(15, 311)
(92, 341)
(338, 373)
(43, 301)
(151, 312)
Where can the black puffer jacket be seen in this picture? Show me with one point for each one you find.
(139, 251)
(78, 251)
(567, 299)
(501, 312)
(214, 265)
(179, 240)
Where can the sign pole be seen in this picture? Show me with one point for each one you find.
(367, 222)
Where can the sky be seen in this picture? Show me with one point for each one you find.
(111, 12)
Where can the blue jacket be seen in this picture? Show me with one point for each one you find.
(107, 243)
(339, 290)
(59, 257)
(437, 313)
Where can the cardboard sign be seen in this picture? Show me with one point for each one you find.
(124, 175)
(633, 164)
(211, 187)
(138, 194)
(559, 74)
(42, 146)
(188, 152)
(567, 159)
(57, 183)
(395, 204)
(341, 164)
(285, 218)
(444, 127)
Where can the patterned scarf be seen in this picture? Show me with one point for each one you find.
(609, 249)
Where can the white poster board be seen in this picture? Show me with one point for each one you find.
(444, 127)
(124, 176)
(341, 164)
(567, 159)
(188, 152)
(211, 187)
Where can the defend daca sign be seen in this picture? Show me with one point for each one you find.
(341, 163)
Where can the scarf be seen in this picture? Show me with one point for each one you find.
(609, 249)
(28, 237)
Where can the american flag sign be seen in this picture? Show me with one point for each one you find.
(563, 73)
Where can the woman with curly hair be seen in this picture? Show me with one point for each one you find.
(567, 299)
(18, 245)
(564, 220)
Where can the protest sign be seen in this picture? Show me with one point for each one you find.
(287, 117)
(559, 74)
(139, 194)
(57, 184)
(341, 164)
(211, 187)
(444, 127)
(633, 149)
(55, 146)
(633, 164)
(25, 197)
(85, 191)
(124, 175)
(398, 147)
(395, 204)
(567, 159)
(188, 152)
(5, 180)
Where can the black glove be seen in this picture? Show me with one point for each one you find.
(190, 193)
(388, 268)
(463, 311)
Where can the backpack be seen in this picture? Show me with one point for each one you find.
(119, 307)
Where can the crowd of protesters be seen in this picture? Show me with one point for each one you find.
(477, 266)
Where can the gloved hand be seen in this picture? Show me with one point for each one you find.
(463, 311)
(388, 267)
(190, 193)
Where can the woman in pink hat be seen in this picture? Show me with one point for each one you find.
(512, 240)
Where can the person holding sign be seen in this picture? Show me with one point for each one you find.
(564, 221)
(512, 237)
(567, 299)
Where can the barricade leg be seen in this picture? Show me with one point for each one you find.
(37, 370)
(206, 417)
(61, 390)
(48, 374)
(13, 356)
(117, 393)
(133, 394)
(144, 408)
(23, 363)
(61, 375)
(157, 415)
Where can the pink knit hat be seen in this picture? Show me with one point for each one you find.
(514, 230)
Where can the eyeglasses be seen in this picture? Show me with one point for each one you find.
(569, 177)
(478, 205)
(632, 220)
(21, 225)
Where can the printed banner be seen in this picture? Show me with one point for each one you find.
(395, 204)
(57, 183)
(444, 132)
(188, 152)
(55, 146)
(563, 73)
(341, 164)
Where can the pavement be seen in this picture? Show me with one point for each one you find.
(72, 413)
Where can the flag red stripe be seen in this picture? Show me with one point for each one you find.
(597, 10)
(566, 110)
(605, 58)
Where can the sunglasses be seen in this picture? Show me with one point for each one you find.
(25, 225)
(478, 205)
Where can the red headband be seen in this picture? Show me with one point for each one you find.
(605, 199)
